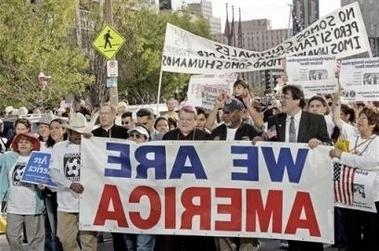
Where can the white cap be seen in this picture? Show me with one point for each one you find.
(140, 130)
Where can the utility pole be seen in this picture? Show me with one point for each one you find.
(376, 40)
(108, 16)
(79, 40)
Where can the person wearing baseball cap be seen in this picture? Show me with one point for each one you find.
(24, 200)
(139, 134)
(141, 241)
(234, 128)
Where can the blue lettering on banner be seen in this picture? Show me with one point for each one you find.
(251, 163)
(37, 170)
(158, 163)
(196, 167)
(123, 160)
(285, 161)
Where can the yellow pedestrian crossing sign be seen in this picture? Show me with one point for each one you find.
(108, 42)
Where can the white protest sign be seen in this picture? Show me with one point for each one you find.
(360, 79)
(341, 33)
(208, 188)
(362, 197)
(203, 89)
(112, 68)
(316, 74)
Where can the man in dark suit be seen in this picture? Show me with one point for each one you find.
(295, 125)
(108, 129)
(308, 127)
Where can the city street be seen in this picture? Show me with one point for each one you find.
(267, 245)
(189, 125)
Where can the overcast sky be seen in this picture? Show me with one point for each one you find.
(275, 10)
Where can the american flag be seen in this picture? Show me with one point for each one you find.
(271, 132)
(343, 183)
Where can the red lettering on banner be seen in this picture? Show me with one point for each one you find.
(272, 211)
(110, 194)
(302, 201)
(170, 207)
(196, 202)
(155, 207)
(234, 209)
(190, 209)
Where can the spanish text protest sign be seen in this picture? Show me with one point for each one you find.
(360, 79)
(315, 74)
(341, 33)
(203, 89)
(215, 188)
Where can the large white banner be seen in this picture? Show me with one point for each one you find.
(341, 33)
(203, 89)
(214, 188)
(315, 74)
(360, 79)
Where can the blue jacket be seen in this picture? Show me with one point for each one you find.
(7, 161)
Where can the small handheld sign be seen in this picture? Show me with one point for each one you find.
(37, 170)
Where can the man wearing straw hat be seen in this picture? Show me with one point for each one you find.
(65, 172)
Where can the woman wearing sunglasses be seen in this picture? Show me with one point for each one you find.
(139, 135)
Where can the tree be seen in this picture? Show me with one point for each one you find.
(34, 38)
(141, 56)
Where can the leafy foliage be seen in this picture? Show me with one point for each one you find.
(34, 38)
(140, 58)
(43, 37)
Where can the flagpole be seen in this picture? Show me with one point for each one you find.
(159, 90)
(289, 24)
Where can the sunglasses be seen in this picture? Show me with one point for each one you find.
(135, 135)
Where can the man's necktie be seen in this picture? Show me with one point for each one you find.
(292, 135)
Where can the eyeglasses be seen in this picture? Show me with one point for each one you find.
(135, 135)
(286, 97)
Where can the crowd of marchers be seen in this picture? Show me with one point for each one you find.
(42, 218)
